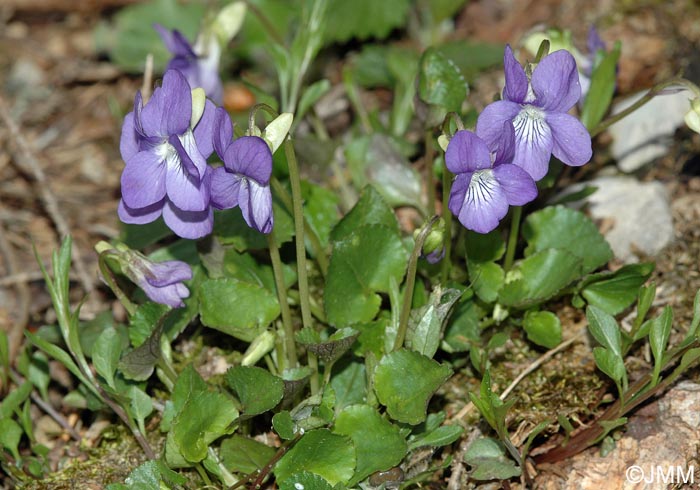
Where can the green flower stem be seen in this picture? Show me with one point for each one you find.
(299, 233)
(314, 240)
(411, 282)
(290, 350)
(447, 216)
(429, 156)
(108, 276)
(513, 237)
(299, 236)
(354, 96)
(653, 92)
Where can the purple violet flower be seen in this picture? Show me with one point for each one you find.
(538, 109)
(244, 180)
(199, 64)
(486, 182)
(161, 281)
(166, 169)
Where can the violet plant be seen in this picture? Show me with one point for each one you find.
(342, 326)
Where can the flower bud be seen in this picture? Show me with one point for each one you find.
(277, 130)
(434, 245)
(228, 22)
(692, 117)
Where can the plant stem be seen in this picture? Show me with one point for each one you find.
(108, 276)
(299, 236)
(319, 252)
(429, 155)
(290, 353)
(447, 216)
(410, 283)
(513, 237)
(653, 92)
(303, 280)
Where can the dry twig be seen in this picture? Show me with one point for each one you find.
(29, 165)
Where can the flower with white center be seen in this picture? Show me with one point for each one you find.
(165, 144)
(486, 183)
(537, 108)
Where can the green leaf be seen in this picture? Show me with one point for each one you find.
(105, 354)
(144, 321)
(613, 292)
(427, 323)
(610, 363)
(441, 436)
(305, 480)
(255, 307)
(61, 356)
(602, 88)
(395, 179)
(140, 406)
(563, 228)
(311, 95)
(232, 229)
(489, 462)
(350, 384)
(132, 37)
(329, 455)
(150, 476)
(487, 279)
(379, 444)
(361, 265)
(243, 455)
(472, 57)
(443, 9)
(463, 330)
(371, 338)
(488, 247)
(38, 373)
(604, 329)
(364, 19)
(284, 425)
(257, 389)
(140, 362)
(696, 316)
(189, 383)
(405, 381)
(203, 419)
(539, 277)
(370, 209)
(10, 435)
(543, 328)
(658, 339)
(330, 350)
(441, 82)
(320, 210)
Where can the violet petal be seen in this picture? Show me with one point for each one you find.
(188, 224)
(250, 156)
(516, 79)
(572, 142)
(143, 180)
(466, 152)
(555, 82)
(516, 184)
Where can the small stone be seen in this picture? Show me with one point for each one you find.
(646, 134)
(638, 213)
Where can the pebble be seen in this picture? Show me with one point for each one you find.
(647, 133)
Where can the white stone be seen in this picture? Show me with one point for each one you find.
(646, 134)
(639, 212)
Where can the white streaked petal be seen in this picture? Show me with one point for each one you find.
(533, 140)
